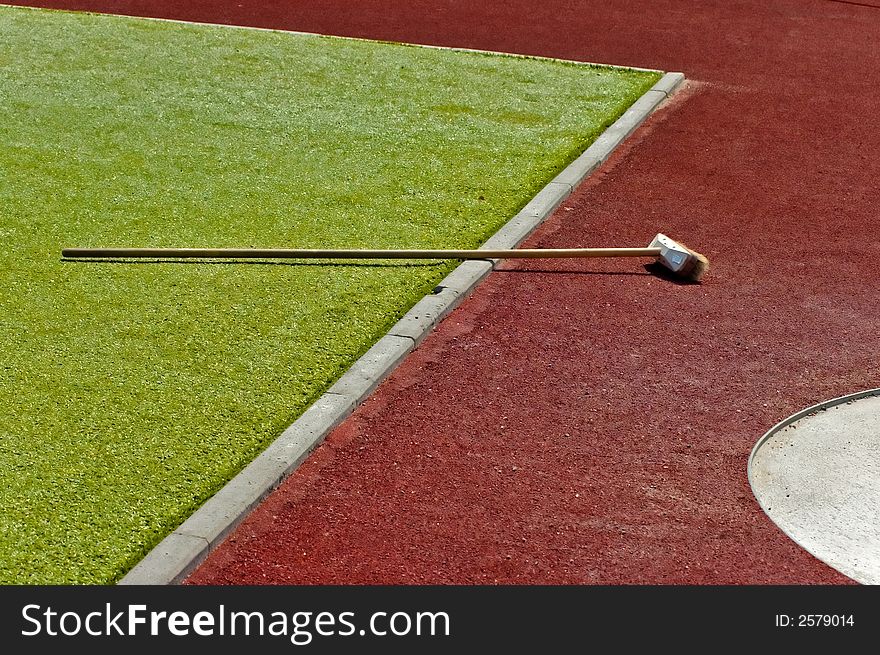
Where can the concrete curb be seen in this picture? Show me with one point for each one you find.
(184, 549)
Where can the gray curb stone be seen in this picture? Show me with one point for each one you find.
(183, 550)
(418, 322)
(366, 373)
(668, 83)
(170, 562)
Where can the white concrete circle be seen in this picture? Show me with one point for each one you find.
(817, 476)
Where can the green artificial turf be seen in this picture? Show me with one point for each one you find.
(130, 392)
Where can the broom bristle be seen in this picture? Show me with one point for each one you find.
(698, 267)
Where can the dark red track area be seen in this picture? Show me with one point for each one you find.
(590, 423)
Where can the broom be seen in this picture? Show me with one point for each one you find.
(685, 263)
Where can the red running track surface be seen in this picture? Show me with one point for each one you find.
(591, 423)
